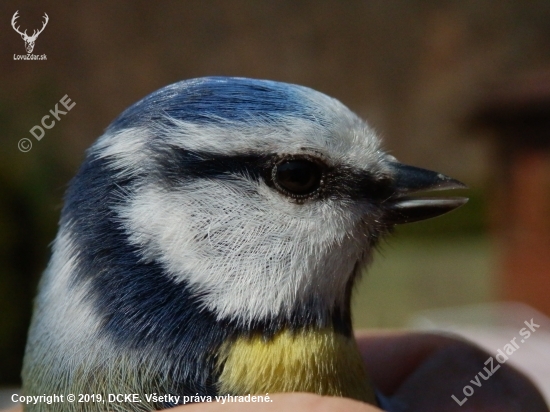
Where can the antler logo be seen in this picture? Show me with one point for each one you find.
(29, 40)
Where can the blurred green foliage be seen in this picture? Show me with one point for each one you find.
(414, 273)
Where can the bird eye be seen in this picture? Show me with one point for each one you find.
(297, 177)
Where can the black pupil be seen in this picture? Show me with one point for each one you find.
(299, 177)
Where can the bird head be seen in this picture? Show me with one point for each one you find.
(210, 214)
(261, 197)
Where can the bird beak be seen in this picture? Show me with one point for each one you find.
(410, 180)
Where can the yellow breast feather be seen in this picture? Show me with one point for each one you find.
(315, 360)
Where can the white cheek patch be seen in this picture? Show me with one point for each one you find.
(250, 257)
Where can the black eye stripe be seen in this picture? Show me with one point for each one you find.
(178, 166)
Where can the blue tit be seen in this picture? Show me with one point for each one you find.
(209, 245)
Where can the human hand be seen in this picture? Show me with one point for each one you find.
(421, 372)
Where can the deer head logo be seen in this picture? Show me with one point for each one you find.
(29, 40)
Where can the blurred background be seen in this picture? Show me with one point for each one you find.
(461, 87)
